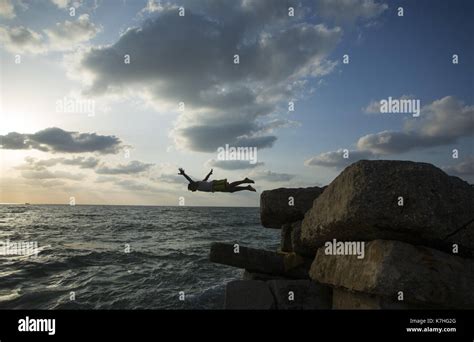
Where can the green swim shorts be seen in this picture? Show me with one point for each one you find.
(219, 185)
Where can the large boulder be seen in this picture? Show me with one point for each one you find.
(285, 205)
(297, 244)
(248, 295)
(254, 260)
(249, 275)
(300, 295)
(394, 200)
(348, 300)
(277, 294)
(291, 240)
(391, 268)
(285, 241)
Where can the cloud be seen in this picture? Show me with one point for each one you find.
(190, 59)
(350, 10)
(374, 106)
(61, 3)
(133, 167)
(133, 185)
(45, 183)
(130, 184)
(61, 37)
(336, 158)
(57, 140)
(232, 164)
(169, 178)
(154, 6)
(278, 123)
(442, 122)
(46, 174)
(463, 168)
(7, 10)
(66, 35)
(82, 162)
(85, 5)
(21, 40)
(394, 142)
(48, 183)
(271, 176)
(207, 138)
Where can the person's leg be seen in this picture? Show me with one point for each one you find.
(236, 183)
(240, 188)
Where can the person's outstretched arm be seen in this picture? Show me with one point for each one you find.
(181, 172)
(208, 175)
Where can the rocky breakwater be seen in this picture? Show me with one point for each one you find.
(383, 235)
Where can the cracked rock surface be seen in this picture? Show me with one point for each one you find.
(393, 200)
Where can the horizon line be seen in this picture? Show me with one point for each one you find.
(131, 205)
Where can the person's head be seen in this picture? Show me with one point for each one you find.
(192, 186)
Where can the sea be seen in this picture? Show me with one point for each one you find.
(120, 257)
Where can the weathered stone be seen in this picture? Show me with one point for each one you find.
(248, 295)
(347, 300)
(300, 294)
(424, 275)
(248, 275)
(291, 240)
(285, 242)
(362, 203)
(297, 245)
(277, 208)
(261, 261)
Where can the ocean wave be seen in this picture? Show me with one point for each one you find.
(83, 252)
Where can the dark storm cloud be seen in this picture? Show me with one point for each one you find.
(15, 141)
(206, 138)
(194, 54)
(57, 140)
(190, 59)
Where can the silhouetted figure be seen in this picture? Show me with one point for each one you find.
(220, 185)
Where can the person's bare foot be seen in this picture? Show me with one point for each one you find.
(248, 180)
(251, 188)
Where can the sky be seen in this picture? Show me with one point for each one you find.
(102, 101)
